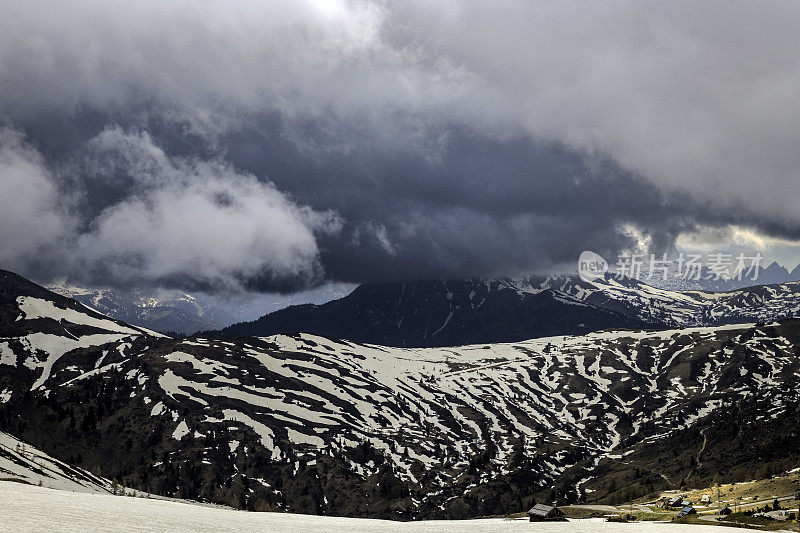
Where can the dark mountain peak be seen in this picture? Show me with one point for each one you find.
(13, 285)
(444, 313)
(773, 274)
(470, 311)
(776, 267)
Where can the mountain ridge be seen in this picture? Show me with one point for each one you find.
(312, 424)
(442, 313)
(158, 310)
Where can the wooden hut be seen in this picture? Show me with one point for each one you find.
(545, 513)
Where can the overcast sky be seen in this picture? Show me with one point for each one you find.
(274, 146)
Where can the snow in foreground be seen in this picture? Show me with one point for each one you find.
(30, 508)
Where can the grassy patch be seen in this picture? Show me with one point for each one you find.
(580, 512)
(631, 516)
(741, 518)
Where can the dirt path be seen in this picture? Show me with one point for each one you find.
(698, 459)
(702, 449)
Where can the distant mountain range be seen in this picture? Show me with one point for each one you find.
(775, 273)
(167, 310)
(311, 424)
(772, 274)
(450, 313)
(159, 310)
(435, 313)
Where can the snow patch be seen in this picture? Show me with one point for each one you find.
(181, 431)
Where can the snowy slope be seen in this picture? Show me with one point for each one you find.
(587, 392)
(317, 425)
(669, 309)
(27, 508)
(38, 328)
(441, 420)
(22, 462)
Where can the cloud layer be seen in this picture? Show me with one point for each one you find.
(192, 223)
(269, 145)
(197, 222)
(32, 216)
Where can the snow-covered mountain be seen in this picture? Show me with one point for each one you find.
(317, 425)
(760, 303)
(159, 309)
(168, 310)
(442, 313)
(684, 278)
(449, 313)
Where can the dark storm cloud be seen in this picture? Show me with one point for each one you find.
(482, 206)
(270, 146)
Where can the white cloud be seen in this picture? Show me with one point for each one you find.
(200, 221)
(32, 217)
(196, 221)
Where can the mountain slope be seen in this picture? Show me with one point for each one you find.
(442, 313)
(669, 309)
(311, 424)
(451, 313)
(159, 310)
(21, 462)
(38, 327)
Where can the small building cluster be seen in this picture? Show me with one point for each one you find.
(678, 501)
(685, 506)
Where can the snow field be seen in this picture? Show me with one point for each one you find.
(27, 508)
